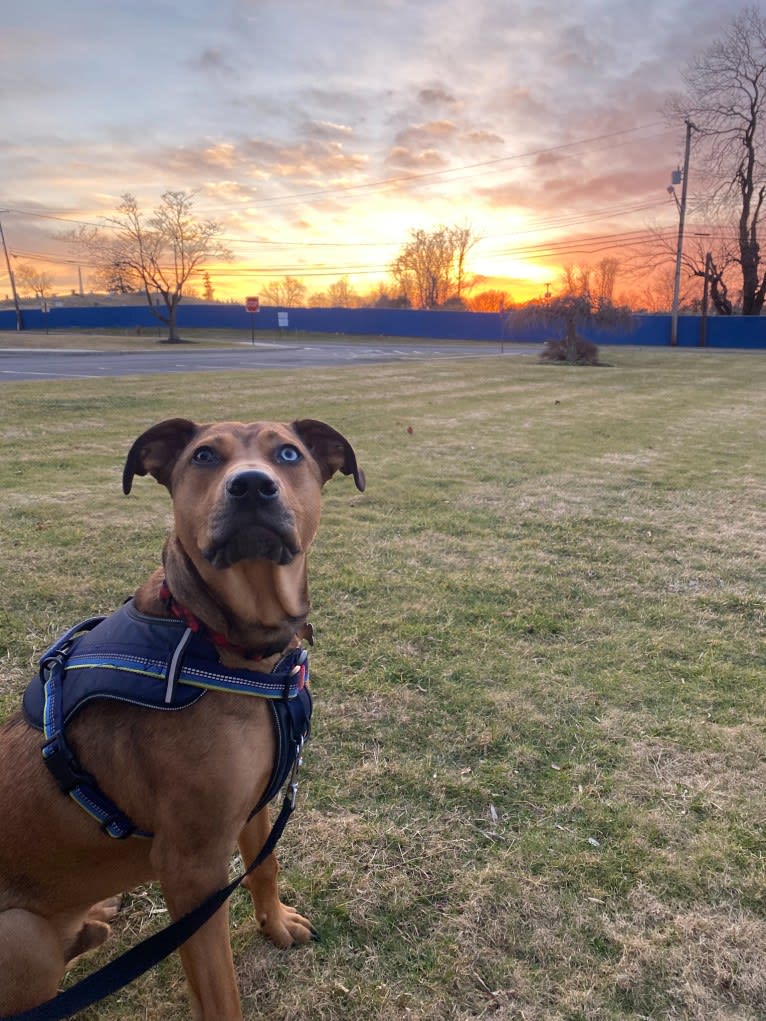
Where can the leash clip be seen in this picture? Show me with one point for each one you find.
(297, 763)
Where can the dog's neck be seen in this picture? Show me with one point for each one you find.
(224, 644)
(272, 602)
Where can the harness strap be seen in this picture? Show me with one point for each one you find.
(175, 664)
(73, 780)
(149, 952)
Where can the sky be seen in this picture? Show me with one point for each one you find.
(321, 132)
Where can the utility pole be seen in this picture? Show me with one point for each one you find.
(705, 293)
(12, 279)
(680, 246)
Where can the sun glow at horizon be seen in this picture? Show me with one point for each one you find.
(357, 245)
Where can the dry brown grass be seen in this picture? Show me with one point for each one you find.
(709, 962)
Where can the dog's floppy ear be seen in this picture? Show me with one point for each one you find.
(330, 450)
(156, 451)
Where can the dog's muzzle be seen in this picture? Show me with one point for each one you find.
(252, 522)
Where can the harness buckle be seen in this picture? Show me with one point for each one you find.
(63, 766)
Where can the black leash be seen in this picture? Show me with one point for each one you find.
(134, 962)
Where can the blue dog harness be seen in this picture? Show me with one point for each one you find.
(160, 664)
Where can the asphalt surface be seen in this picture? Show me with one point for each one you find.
(50, 363)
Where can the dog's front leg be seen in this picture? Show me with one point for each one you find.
(187, 879)
(279, 922)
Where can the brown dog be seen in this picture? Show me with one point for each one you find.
(246, 504)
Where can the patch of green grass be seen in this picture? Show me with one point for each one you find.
(535, 787)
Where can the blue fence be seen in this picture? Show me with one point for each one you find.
(722, 332)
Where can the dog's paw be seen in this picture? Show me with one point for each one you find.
(286, 928)
(94, 929)
(105, 910)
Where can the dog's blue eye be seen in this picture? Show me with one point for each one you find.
(204, 455)
(288, 454)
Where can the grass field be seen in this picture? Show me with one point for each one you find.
(535, 788)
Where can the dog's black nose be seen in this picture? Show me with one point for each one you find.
(252, 484)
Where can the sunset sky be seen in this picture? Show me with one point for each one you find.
(319, 132)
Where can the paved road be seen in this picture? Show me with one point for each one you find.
(16, 364)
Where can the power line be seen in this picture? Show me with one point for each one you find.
(297, 271)
(534, 227)
(384, 182)
(431, 174)
(589, 239)
(588, 245)
(573, 219)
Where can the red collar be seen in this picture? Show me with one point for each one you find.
(218, 639)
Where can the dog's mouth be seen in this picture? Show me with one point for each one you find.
(233, 540)
(256, 544)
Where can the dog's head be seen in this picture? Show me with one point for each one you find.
(243, 491)
(246, 504)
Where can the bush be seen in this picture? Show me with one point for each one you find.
(565, 314)
(577, 352)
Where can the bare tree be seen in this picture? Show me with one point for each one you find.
(575, 281)
(715, 260)
(463, 240)
(491, 300)
(431, 267)
(289, 292)
(382, 297)
(30, 278)
(605, 278)
(725, 99)
(651, 267)
(156, 254)
(654, 290)
(341, 294)
(595, 282)
(115, 278)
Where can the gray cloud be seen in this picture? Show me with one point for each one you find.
(326, 130)
(423, 135)
(402, 158)
(213, 61)
(484, 138)
(436, 96)
(300, 162)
